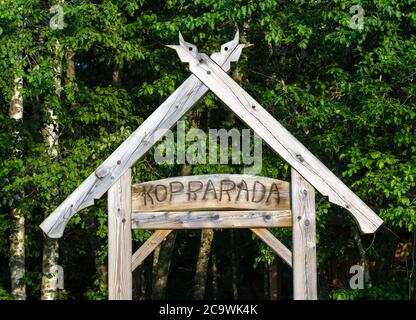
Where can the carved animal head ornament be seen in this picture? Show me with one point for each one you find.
(189, 53)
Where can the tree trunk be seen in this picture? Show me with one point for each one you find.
(100, 266)
(234, 266)
(162, 273)
(117, 75)
(50, 255)
(17, 256)
(139, 283)
(17, 236)
(149, 275)
(50, 258)
(274, 279)
(16, 103)
(70, 65)
(363, 255)
(200, 279)
(214, 272)
(266, 291)
(155, 262)
(142, 283)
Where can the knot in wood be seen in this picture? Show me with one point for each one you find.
(300, 158)
(307, 222)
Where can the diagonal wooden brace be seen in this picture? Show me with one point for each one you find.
(277, 247)
(147, 248)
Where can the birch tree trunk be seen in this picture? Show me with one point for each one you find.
(17, 236)
(17, 256)
(70, 64)
(50, 255)
(207, 235)
(155, 263)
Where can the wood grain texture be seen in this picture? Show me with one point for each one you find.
(135, 146)
(277, 247)
(303, 239)
(208, 192)
(119, 239)
(210, 219)
(147, 248)
(278, 138)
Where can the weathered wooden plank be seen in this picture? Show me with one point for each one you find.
(304, 239)
(277, 137)
(278, 248)
(136, 145)
(119, 239)
(207, 192)
(210, 219)
(147, 248)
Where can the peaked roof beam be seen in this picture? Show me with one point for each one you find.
(138, 143)
(276, 136)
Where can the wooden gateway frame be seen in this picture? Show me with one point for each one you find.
(140, 206)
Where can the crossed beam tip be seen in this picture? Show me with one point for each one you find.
(187, 50)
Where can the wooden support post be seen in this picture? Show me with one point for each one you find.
(304, 239)
(119, 239)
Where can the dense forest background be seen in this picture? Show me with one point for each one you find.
(69, 96)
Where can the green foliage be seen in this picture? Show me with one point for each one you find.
(4, 295)
(393, 289)
(348, 95)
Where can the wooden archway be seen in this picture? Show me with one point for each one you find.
(307, 173)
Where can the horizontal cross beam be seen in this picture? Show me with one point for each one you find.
(211, 219)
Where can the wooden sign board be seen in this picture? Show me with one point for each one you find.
(211, 192)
